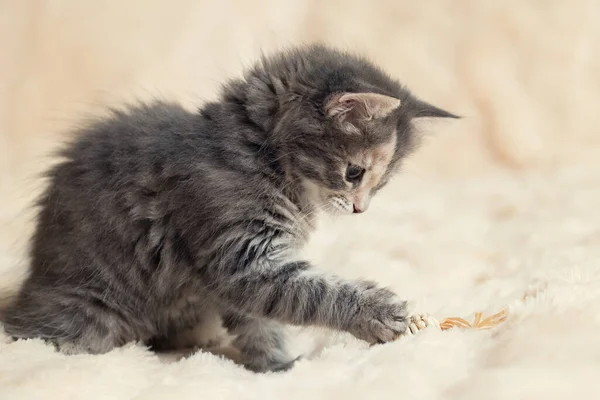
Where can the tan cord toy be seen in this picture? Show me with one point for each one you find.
(421, 321)
(489, 322)
(418, 322)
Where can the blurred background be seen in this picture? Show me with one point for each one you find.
(525, 74)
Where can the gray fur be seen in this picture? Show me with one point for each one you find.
(158, 217)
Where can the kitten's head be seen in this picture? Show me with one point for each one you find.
(342, 125)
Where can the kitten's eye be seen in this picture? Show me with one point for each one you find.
(354, 173)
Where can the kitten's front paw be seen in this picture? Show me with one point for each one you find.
(382, 316)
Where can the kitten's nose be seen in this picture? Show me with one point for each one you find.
(357, 210)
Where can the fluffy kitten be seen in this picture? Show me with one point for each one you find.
(159, 218)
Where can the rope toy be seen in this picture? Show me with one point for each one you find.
(419, 322)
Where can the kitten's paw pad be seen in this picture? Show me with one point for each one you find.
(382, 317)
(419, 322)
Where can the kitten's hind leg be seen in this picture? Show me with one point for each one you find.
(261, 343)
(73, 329)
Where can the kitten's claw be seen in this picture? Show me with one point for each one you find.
(419, 322)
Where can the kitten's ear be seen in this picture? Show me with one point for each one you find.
(426, 110)
(362, 106)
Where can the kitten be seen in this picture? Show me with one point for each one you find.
(159, 218)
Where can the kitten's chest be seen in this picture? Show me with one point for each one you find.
(302, 227)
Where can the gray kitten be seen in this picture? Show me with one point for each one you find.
(159, 218)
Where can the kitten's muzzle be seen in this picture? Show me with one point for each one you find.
(360, 202)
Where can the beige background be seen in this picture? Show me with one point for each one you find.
(525, 73)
